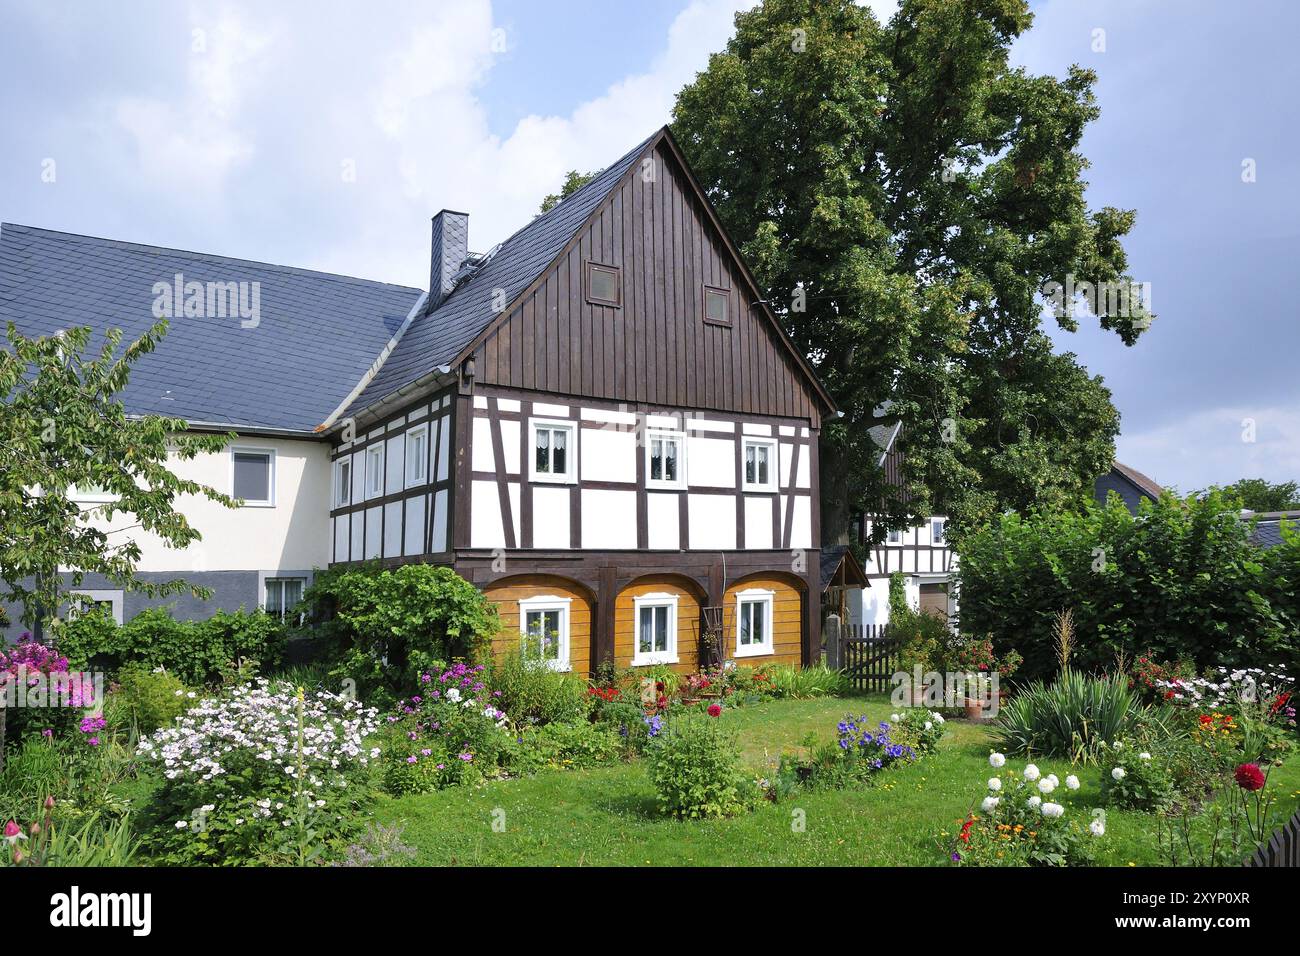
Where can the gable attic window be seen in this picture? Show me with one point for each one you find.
(717, 305)
(604, 285)
(253, 476)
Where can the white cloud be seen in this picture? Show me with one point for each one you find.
(1218, 446)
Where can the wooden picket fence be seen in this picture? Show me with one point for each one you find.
(1282, 848)
(869, 659)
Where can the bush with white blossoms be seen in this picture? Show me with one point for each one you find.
(256, 775)
(920, 727)
(1136, 779)
(1023, 820)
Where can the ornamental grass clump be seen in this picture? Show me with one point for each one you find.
(247, 775)
(1071, 717)
(1026, 819)
(694, 764)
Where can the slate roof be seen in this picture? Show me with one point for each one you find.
(318, 333)
(1144, 484)
(832, 556)
(1268, 529)
(437, 337)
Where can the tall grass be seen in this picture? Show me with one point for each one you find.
(1070, 717)
(802, 683)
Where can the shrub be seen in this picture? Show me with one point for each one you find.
(450, 733)
(42, 671)
(1025, 819)
(1179, 581)
(694, 766)
(920, 728)
(144, 700)
(530, 691)
(1135, 779)
(628, 723)
(260, 775)
(195, 651)
(390, 626)
(1070, 717)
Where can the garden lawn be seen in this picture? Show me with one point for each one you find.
(608, 816)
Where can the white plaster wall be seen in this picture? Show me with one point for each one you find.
(608, 519)
(712, 522)
(608, 455)
(758, 522)
(551, 517)
(712, 462)
(663, 524)
(294, 533)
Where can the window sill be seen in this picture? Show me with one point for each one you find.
(650, 660)
(665, 485)
(761, 490)
(258, 504)
(553, 479)
(762, 650)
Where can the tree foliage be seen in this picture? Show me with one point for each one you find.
(1256, 494)
(573, 181)
(62, 427)
(904, 194)
(1180, 581)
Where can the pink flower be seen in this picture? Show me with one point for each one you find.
(12, 832)
(715, 710)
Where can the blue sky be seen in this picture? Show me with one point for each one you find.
(325, 135)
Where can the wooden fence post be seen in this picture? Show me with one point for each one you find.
(832, 633)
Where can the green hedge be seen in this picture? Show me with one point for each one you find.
(386, 626)
(1180, 580)
(195, 651)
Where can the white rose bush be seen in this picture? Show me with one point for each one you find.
(262, 774)
(1024, 819)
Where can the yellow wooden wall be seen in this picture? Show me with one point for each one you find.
(507, 596)
(786, 627)
(688, 622)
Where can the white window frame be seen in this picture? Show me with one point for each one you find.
(280, 579)
(421, 475)
(773, 463)
(549, 602)
(942, 537)
(680, 437)
(270, 477)
(342, 489)
(113, 598)
(570, 475)
(767, 599)
(894, 537)
(373, 453)
(656, 599)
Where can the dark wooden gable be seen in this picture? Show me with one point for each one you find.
(655, 348)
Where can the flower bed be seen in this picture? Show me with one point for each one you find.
(263, 774)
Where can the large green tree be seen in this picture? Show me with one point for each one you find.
(64, 431)
(904, 195)
(1260, 495)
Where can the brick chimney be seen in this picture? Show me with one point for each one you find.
(450, 247)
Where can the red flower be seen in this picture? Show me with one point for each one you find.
(715, 710)
(1279, 703)
(1250, 777)
(964, 836)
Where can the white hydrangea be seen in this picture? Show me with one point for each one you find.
(1031, 772)
(995, 784)
(1046, 786)
(989, 805)
(1052, 810)
(1035, 801)
(1072, 782)
(1118, 773)
(1097, 827)
(997, 760)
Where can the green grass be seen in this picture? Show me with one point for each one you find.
(608, 816)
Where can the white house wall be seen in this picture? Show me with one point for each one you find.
(293, 533)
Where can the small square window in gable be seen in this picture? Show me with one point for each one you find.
(604, 285)
(717, 306)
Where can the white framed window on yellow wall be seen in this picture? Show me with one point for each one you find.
(754, 620)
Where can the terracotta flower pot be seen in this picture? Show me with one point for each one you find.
(974, 709)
